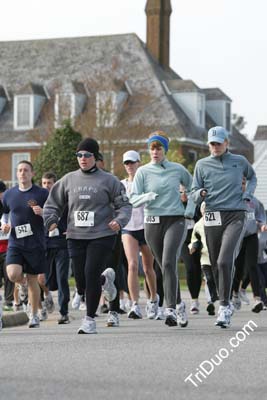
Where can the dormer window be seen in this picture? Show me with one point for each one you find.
(3, 98)
(23, 112)
(218, 106)
(70, 101)
(106, 109)
(189, 97)
(28, 103)
(110, 103)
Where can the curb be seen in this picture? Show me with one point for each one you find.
(14, 319)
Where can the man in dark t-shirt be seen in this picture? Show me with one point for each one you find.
(23, 204)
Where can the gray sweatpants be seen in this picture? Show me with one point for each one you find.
(165, 241)
(224, 244)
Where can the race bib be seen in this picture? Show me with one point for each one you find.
(212, 218)
(84, 218)
(53, 233)
(23, 231)
(4, 236)
(149, 219)
(251, 215)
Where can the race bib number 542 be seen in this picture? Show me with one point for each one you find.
(212, 218)
(84, 218)
(23, 231)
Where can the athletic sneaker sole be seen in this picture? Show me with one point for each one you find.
(134, 316)
(111, 325)
(222, 324)
(183, 324)
(257, 308)
(81, 332)
(170, 321)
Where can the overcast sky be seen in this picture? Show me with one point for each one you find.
(216, 43)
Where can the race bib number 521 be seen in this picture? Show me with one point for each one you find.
(84, 218)
(212, 218)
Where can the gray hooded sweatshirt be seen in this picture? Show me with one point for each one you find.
(94, 199)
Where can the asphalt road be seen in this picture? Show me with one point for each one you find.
(141, 359)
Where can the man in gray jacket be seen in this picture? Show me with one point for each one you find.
(218, 180)
(97, 209)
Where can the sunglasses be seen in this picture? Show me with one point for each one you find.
(85, 155)
(129, 162)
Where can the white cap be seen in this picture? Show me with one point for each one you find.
(131, 155)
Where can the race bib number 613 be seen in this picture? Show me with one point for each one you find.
(149, 219)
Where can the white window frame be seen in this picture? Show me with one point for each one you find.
(16, 158)
(228, 116)
(30, 125)
(201, 110)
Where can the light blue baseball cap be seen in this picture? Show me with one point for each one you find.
(217, 134)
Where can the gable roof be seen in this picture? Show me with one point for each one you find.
(77, 62)
(215, 94)
(261, 133)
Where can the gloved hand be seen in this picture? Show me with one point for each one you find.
(151, 196)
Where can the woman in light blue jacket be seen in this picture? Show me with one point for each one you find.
(157, 185)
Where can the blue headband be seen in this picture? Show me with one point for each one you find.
(161, 139)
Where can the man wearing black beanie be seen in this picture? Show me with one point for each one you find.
(98, 208)
(89, 145)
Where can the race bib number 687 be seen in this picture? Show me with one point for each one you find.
(84, 218)
(212, 218)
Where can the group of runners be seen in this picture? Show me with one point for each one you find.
(89, 217)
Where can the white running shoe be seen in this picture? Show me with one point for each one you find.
(34, 321)
(160, 314)
(135, 312)
(236, 301)
(76, 301)
(43, 315)
(171, 317)
(194, 307)
(181, 315)
(152, 308)
(23, 292)
(109, 289)
(128, 305)
(113, 319)
(224, 316)
(82, 306)
(88, 326)
(123, 306)
(49, 303)
(243, 296)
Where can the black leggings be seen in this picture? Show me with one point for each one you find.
(207, 271)
(192, 267)
(89, 261)
(246, 263)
